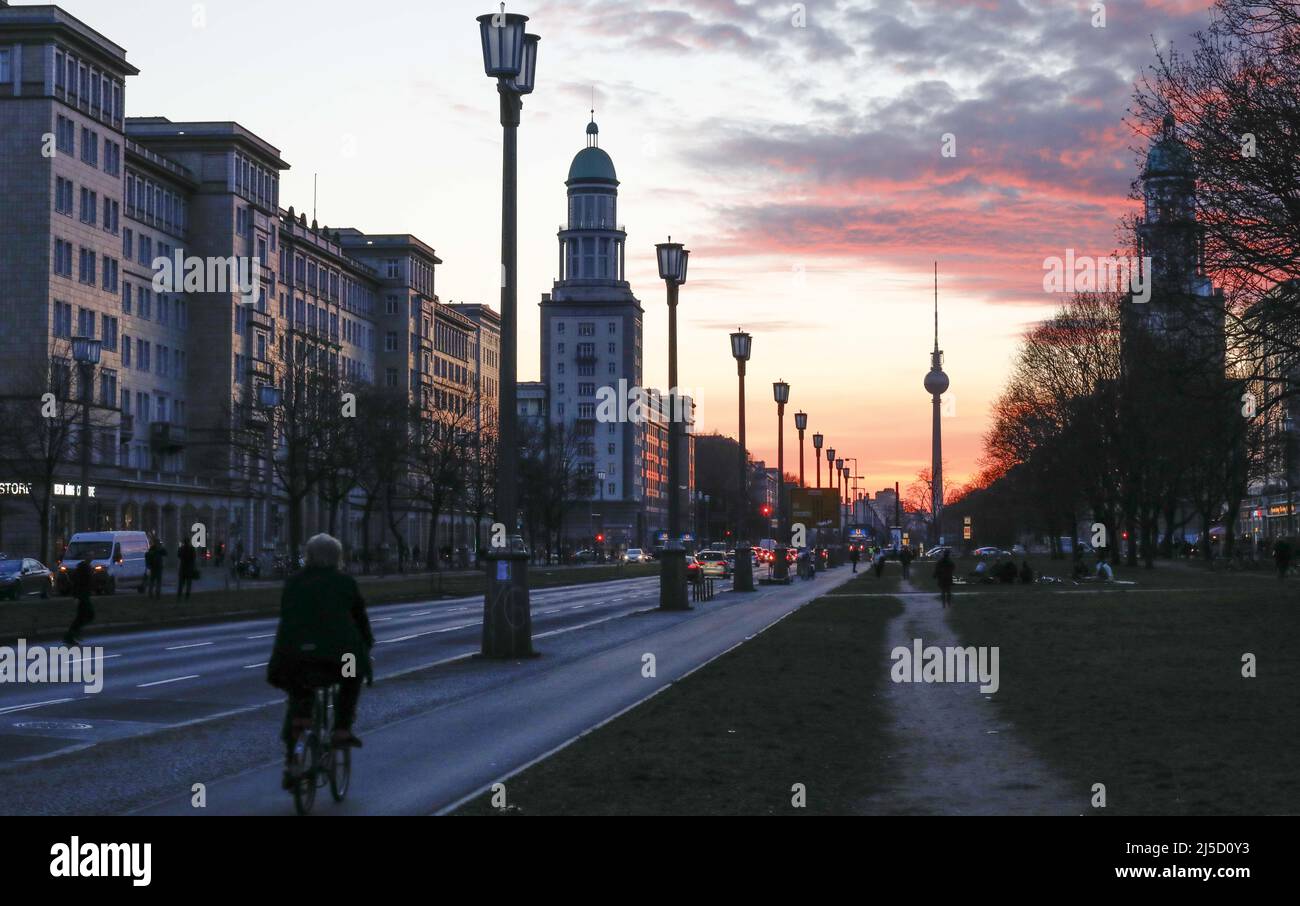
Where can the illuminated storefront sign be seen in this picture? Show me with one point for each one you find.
(22, 489)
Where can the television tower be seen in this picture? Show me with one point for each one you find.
(936, 384)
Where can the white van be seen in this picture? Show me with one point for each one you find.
(116, 557)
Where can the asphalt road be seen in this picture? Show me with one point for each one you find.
(163, 678)
(433, 761)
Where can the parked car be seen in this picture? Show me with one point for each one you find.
(714, 563)
(991, 552)
(635, 555)
(24, 577)
(693, 571)
(936, 553)
(116, 557)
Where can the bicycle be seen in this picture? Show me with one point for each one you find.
(316, 761)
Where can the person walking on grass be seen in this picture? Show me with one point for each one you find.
(187, 556)
(82, 580)
(944, 571)
(1282, 557)
(153, 561)
(854, 557)
(905, 557)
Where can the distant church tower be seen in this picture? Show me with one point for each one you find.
(1185, 309)
(591, 338)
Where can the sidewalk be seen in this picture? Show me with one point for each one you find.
(953, 752)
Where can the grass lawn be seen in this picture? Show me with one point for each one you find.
(34, 618)
(797, 704)
(1140, 687)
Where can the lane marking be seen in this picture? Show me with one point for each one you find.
(166, 681)
(16, 708)
(255, 666)
(269, 635)
(195, 645)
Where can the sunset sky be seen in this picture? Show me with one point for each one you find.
(801, 166)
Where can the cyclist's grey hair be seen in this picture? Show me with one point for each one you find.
(324, 550)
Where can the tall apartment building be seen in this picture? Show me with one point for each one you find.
(591, 336)
(96, 199)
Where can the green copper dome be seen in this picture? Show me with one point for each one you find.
(592, 164)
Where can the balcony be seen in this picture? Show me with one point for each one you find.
(262, 370)
(261, 320)
(164, 437)
(126, 429)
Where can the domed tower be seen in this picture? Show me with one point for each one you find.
(1184, 308)
(936, 384)
(591, 350)
(592, 242)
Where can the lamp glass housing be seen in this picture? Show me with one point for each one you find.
(523, 83)
(502, 35)
(818, 440)
(742, 345)
(781, 392)
(801, 421)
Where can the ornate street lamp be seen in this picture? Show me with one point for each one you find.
(741, 346)
(801, 423)
(673, 261)
(510, 57)
(780, 568)
(818, 440)
(86, 352)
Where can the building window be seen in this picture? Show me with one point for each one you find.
(62, 319)
(5, 67)
(63, 196)
(89, 147)
(89, 205)
(586, 329)
(65, 136)
(62, 258)
(126, 297)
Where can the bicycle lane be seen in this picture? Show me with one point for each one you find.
(432, 761)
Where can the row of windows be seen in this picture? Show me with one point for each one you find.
(148, 201)
(256, 183)
(87, 87)
(162, 360)
(586, 328)
(139, 301)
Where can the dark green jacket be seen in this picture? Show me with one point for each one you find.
(322, 618)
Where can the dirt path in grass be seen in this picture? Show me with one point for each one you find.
(954, 754)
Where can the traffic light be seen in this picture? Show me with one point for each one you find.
(600, 539)
(765, 510)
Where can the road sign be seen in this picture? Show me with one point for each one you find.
(815, 506)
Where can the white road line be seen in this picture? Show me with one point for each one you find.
(269, 635)
(16, 708)
(423, 613)
(195, 645)
(382, 620)
(254, 666)
(166, 681)
(80, 659)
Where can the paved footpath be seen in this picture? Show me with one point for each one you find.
(955, 754)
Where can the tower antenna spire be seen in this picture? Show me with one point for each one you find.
(936, 306)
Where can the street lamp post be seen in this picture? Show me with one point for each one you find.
(86, 352)
(741, 347)
(269, 397)
(818, 440)
(839, 485)
(673, 262)
(510, 57)
(847, 510)
(801, 423)
(780, 568)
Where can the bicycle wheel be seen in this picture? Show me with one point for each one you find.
(307, 757)
(340, 772)
(306, 754)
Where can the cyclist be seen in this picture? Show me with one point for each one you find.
(323, 639)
